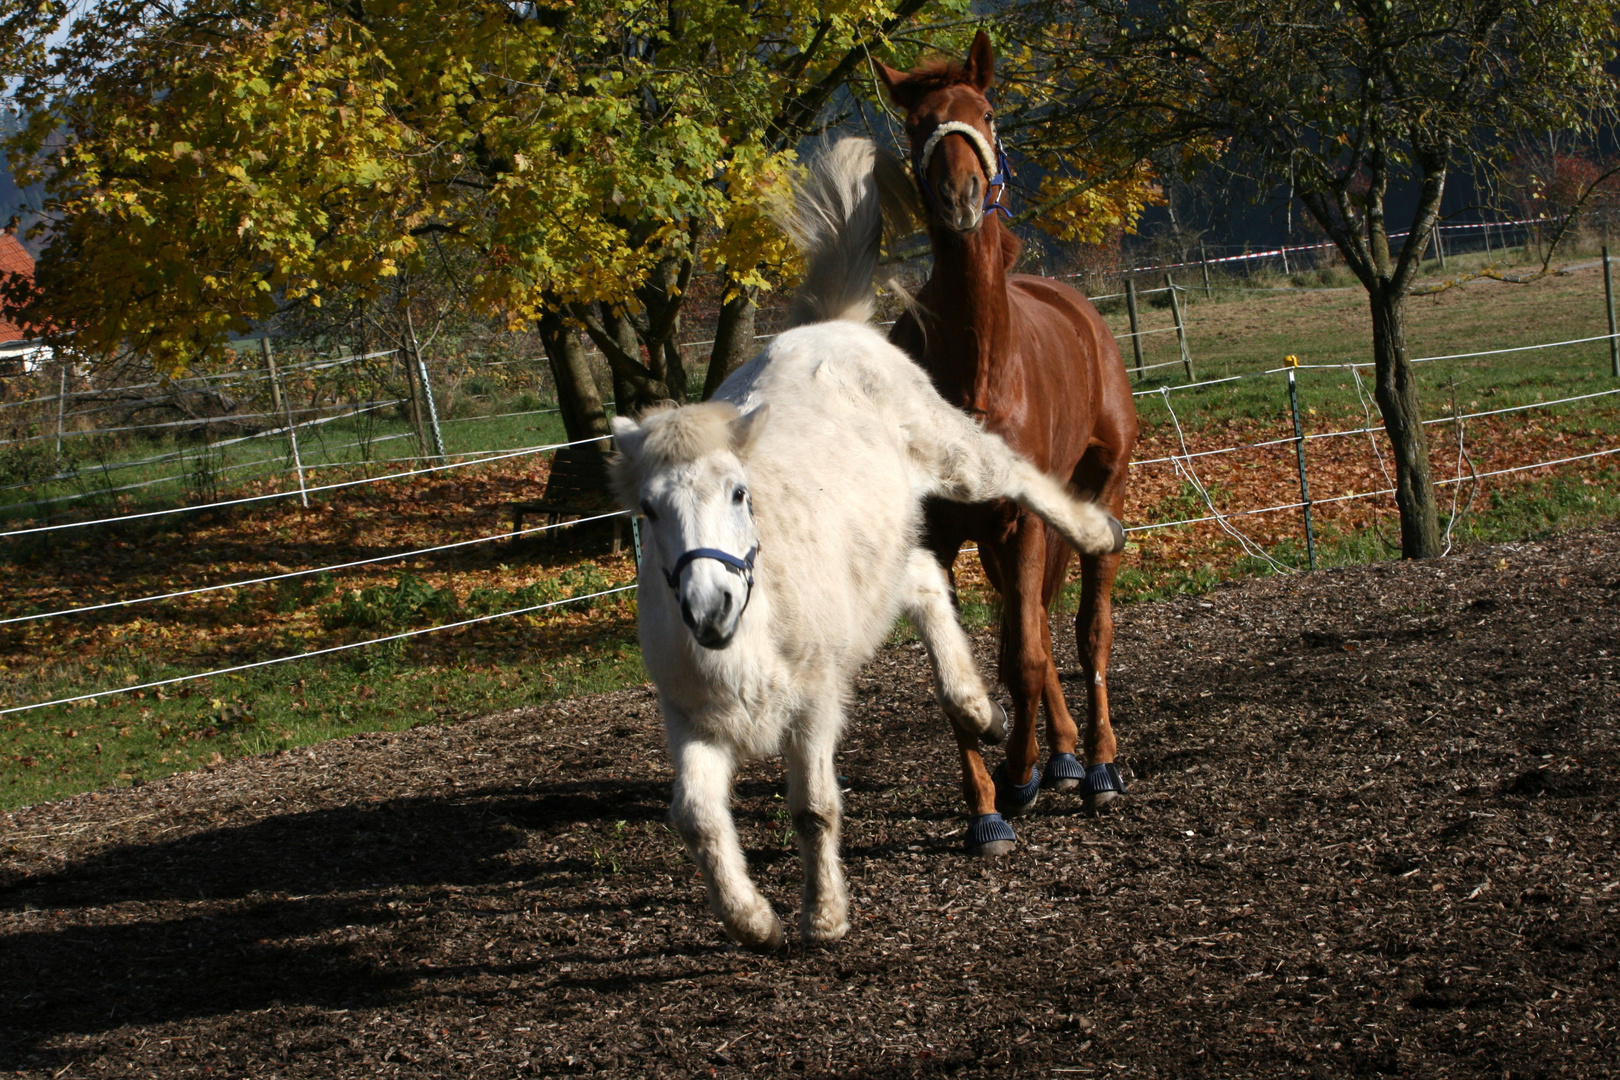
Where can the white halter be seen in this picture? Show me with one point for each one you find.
(987, 154)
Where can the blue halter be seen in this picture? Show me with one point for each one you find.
(744, 564)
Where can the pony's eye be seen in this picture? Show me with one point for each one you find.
(739, 495)
(647, 511)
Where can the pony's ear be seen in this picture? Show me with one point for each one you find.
(627, 435)
(981, 62)
(896, 83)
(745, 430)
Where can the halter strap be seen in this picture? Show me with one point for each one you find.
(994, 161)
(744, 564)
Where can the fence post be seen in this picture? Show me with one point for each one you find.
(1299, 450)
(1608, 295)
(427, 392)
(1203, 257)
(1136, 337)
(1181, 326)
(275, 382)
(1286, 272)
(292, 429)
(62, 395)
(1439, 247)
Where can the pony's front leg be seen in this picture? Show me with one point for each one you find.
(815, 806)
(958, 686)
(701, 814)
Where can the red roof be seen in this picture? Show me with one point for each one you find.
(14, 259)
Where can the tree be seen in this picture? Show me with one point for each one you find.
(1342, 102)
(209, 166)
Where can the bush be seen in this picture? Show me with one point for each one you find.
(409, 600)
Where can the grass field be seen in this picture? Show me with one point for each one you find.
(444, 676)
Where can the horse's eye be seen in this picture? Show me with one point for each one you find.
(647, 510)
(988, 115)
(739, 495)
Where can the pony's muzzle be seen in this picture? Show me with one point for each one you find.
(711, 609)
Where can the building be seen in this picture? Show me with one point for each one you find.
(18, 353)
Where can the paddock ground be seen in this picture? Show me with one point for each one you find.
(1371, 830)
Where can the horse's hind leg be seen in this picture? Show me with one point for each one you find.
(814, 805)
(957, 683)
(701, 814)
(1103, 473)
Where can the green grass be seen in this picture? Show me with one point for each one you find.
(128, 738)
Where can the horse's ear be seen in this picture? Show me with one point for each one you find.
(746, 428)
(981, 62)
(895, 82)
(627, 435)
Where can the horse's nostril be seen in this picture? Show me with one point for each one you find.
(725, 604)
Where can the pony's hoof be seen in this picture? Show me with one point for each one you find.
(989, 837)
(997, 731)
(758, 935)
(1063, 773)
(1103, 785)
(823, 931)
(1011, 799)
(1119, 534)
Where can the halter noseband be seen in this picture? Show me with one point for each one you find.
(994, 161)
(744, 564)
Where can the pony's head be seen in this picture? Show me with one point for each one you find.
(954, 150)
(683, 469)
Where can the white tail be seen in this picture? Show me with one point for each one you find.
(837, 221)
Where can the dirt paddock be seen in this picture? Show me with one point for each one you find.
(1371, 830)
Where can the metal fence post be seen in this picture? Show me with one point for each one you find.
(292, 429)
(1181, 326)
(1608, 295)
(1299, 451)
(275, 382)
(1136, 336)
(62, 394)
(427, 390)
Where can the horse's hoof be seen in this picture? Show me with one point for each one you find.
(989, 837)
(997, 731)
(1063, 773)
(1119, 534)
(1011, 799)
(823, 931)
(1103, 785)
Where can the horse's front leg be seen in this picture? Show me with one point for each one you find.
(701, 814)
(1025, 659)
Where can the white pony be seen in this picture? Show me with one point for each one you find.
(782, 541)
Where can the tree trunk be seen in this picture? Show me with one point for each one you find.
(627, 396)
(581, 406)
(675, 367)
(1397, 394)
(733, 338)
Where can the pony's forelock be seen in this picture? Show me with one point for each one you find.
(672, 435)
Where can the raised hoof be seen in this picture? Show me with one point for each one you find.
(766, 938)
(1063, 773)
(1103, 785)
(1119, 534)
(997, 731)
(1015, 799)
(989, 837)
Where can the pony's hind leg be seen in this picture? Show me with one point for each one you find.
(701, 814)
(814, 805)
(957, 683)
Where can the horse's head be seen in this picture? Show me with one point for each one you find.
(954, 150)
(683, 470)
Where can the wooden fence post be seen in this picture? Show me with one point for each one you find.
(1608, 295)
(1181, 326)
(1203, 257)
(1136, 336)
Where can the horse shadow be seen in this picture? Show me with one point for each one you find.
(250, 916)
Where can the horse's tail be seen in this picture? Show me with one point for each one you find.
(837, 220)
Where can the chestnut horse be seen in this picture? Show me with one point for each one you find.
(1032, 359)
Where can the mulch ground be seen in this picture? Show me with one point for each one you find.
(1371, 830)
